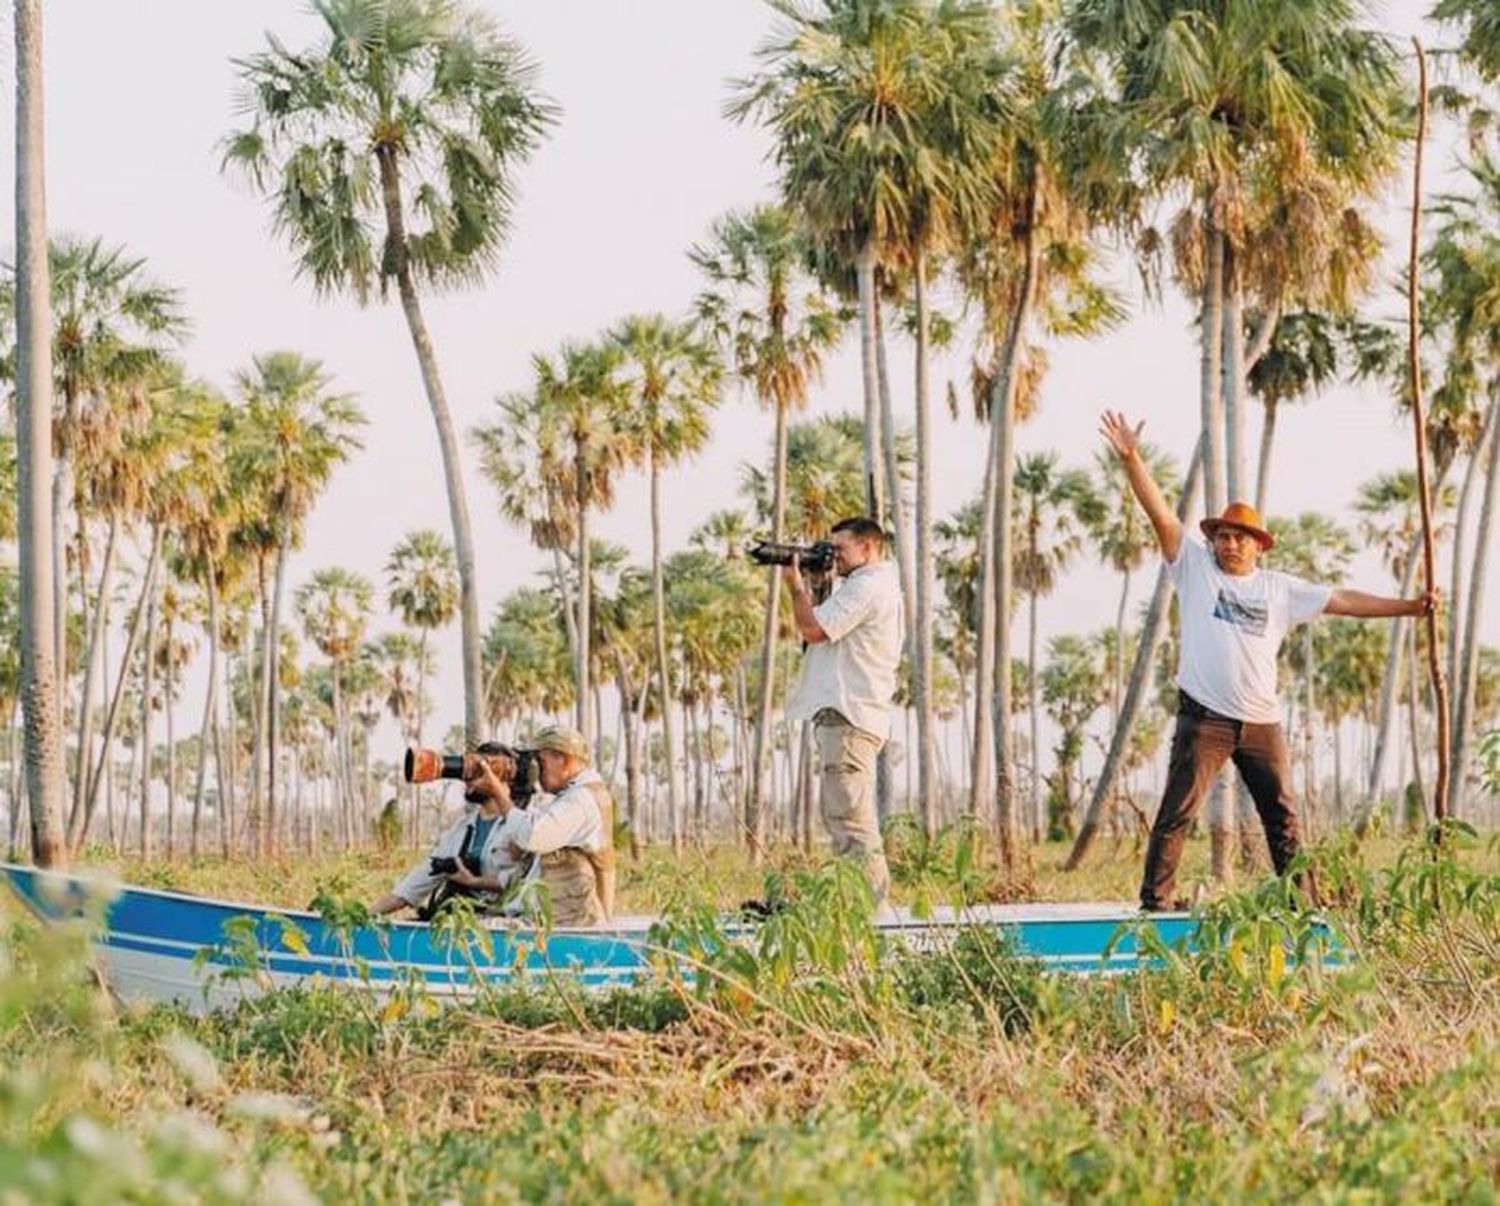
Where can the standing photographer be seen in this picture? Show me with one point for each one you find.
(854, 640)
(479, 846)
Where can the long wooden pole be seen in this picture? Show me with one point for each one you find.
(1419, 420)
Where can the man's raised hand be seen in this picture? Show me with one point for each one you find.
(1122, 437)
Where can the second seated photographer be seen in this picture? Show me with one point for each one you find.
(477, 855)
(572, 834)
(854, 640)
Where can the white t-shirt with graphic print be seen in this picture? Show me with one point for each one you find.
(1232, 628)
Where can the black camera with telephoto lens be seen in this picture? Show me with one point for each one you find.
(809, 558)
(518, 767)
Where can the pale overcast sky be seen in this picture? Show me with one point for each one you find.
(139, 93)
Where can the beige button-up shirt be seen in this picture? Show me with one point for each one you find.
(854, 670)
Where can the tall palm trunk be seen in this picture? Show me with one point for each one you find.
(1140, 675)
(1034, 717)
(210, 703)
(1386, 709)
(659, 626)
(864, 269)
(896, 523)
(1211, 398)
(1465, 685)
(1232, 354)
(1003, 415)
(148, 676)
(458, 504)
(271, 694)
(982, 753)
(132, 638)
(582, 716)
(416, 789)
(40, 688)
(1263, 469)
(895, 505)
(922, 664)
(1120, 612)
(90, 677)
(1211, 403)
(168, 702)
(760, 776)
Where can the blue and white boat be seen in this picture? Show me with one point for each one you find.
(203, 954)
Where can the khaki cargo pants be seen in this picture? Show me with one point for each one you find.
(846, 765)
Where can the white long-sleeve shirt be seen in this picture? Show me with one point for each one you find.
(495, 860)
(570, 818)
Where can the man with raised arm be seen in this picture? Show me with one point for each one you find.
(1233, 616)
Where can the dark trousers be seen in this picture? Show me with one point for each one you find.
(1201, 742)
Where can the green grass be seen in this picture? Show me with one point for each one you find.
(804, 1070)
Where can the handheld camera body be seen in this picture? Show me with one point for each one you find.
(809, 558)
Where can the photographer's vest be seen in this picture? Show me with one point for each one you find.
(581, 883)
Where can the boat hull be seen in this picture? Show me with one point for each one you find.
(159, 946)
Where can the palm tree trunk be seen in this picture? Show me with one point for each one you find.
(982, 753)
(210, 702)
(864, 268)
(1466, 684)
(458, 505)
(169, 701)
(1211, 332)
(922, 665)
(132, 638)
(1119, 684)
(416, 788)
(659, 626)
(1414, 712)
(581, 667)
(271, 693)
(13, 791)
(40, 699)
(1034, 716)
(895, 505)
(85, 757)
(1460, 528)
(1387, 707)
(148, 670)
(761, 752)
(1263, 469)
(1140, 675)
(895, 519)
(1233, 358)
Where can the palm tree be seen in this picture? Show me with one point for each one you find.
(1056, 180)
(1072, 683)
(1301, 359)
(389, 149)
(40, 702)
(1480, 26)
(1050, 523)
(774, 329)
(1315, 548)
(334, 607)
(1122, 535)
(674, 379)
(296, 432)
(1463, 265)
(1391, 519)
(1274, 160)
(422, 576)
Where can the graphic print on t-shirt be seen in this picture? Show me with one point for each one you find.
(1238, 613)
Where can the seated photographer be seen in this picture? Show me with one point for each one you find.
(572, 835)
(477, 855)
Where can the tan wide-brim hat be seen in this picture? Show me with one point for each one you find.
(564, 741)
(1243, 516)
